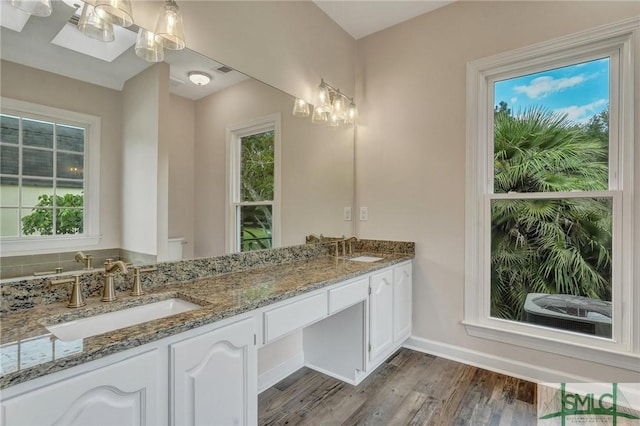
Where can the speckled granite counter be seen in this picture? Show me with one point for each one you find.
(28, 350)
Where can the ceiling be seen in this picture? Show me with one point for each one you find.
(363, 17)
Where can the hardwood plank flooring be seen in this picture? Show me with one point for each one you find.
(411, 388)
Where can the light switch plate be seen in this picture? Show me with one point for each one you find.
(364, 213)
(347, 213)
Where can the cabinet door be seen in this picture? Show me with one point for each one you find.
(124, 393)
(402, 302)
(381, 314)
(214, 377)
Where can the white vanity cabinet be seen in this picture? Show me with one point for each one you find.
(380, 315)
(214, 377)
(122, 393)
(402, 301)
(389, 311)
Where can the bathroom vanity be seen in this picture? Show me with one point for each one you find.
(200, 366)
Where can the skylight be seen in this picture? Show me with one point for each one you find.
(12, 18)
(69, 37)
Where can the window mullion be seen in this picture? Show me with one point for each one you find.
(54, 182)
(20, 158)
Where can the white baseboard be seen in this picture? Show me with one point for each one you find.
(280, 371)
(530, 372)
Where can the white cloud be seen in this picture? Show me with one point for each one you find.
(581, 114)
(545, 85)
(513, 100)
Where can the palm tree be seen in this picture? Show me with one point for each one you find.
(547, 245)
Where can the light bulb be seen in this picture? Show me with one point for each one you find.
(319, 117)
(322, 99)
(339, 107)
(335, 120)
(352, 113)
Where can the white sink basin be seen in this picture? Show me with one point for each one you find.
(98, 324)
(365, 259)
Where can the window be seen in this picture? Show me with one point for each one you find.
(550, 198)
(253, 214)
(48, 177)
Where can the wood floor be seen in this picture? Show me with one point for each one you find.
(411, 388)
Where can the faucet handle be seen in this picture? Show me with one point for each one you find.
(136, 289)
(75, 300)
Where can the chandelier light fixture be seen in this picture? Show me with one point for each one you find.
(331, 107)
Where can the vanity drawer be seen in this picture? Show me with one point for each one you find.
(293, 316)
(347, 295)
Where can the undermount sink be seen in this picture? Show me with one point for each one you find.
(366, 259)
(98, 324)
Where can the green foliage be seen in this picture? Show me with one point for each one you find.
(257, 178)
(257, 168)
(549, 245)
(69, 215)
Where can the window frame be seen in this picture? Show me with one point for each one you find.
(235, 133)
(91, 236)
(620, 39)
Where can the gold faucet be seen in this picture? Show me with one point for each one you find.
(351, 240)
(109, 290)
(58, 270)
(75, 300)
(85, 259)
(136, 289)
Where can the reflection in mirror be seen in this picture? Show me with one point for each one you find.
(163, 186)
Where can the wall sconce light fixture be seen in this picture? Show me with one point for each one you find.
(331, 107)
(93, 26)
(147, 47)
(97, 22)
(300, 108)
(169, 27)
(117, 11)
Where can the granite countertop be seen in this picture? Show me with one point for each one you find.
(28, 350)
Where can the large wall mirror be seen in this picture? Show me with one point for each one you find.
(164, 157)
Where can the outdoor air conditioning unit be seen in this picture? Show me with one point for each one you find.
(572, 313)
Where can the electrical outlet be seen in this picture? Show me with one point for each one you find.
(364, 213)
(347, 213)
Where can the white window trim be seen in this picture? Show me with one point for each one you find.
(623, 350)
(234, 134)
(91, 237)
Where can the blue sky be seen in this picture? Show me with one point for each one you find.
(580, 91)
